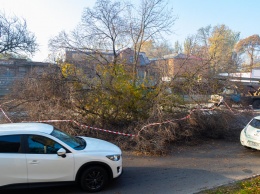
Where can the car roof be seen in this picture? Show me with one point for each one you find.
(26, 127)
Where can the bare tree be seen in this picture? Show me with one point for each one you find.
(149, 21)
(189, 45)
(156, 50)
(203, 35)
(115, 25)
(101, 29)
(15, 37)
(177, 47)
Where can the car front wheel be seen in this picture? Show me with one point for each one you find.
(94, 179)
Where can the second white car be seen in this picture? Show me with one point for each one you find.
(250, 135)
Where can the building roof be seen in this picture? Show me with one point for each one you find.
(180, 56)
(20, 62)
(143, 58)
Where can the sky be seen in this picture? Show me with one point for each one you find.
(46, 18)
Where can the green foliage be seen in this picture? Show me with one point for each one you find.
(215, 45)
(222, 41)
(113, 98)
(251, 186)
(221, 46)
(68, 69)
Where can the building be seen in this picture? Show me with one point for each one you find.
(176, 66)
(169, 67)
(125, 56)
(12, 70)
(90, 59)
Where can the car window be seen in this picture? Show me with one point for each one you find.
(73, 142)
(255, 123)
(10, 144)
(42, 145)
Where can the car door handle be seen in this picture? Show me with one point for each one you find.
(34, 162)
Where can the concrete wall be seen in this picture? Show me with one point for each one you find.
(12, 70)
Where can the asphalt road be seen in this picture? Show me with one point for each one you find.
(188, 169)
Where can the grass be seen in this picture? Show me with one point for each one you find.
(248, 186)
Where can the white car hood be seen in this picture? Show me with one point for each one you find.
(253, 132)
(98, 145)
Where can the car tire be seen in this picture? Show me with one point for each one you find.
(94, 179)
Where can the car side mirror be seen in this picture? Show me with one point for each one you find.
(61, 152)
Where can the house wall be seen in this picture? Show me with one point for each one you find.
(14, 69)
(179, 67)
(126, 56)
(88, 57)
(186, 67)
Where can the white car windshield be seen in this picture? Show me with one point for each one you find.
(255, 123)
(76, 143)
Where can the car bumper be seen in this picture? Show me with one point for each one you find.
(117, 168)
(122, 171)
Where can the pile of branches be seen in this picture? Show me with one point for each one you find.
(158, 134)
(152, 117)
(159, 138)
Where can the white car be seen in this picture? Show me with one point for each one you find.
(32, 153)
(250, 135)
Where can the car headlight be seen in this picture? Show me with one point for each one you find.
(114, 157)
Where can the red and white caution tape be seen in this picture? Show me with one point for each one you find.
(6, 115)
(171, 121)
(84, 126)
(168, 121)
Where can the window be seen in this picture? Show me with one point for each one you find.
(10, 143)
(255, 123)
(42, 145)
(131, 59)
(73, 142)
